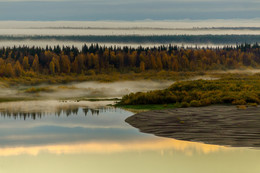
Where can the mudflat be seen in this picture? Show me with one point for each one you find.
(220, 125)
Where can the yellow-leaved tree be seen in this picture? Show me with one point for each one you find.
(18, 69)
(35, 65)
(142, 66)
(26, 65)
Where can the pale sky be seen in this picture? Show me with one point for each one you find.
(92, 10)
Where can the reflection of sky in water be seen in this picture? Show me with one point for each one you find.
(53, 129)
(103, 142)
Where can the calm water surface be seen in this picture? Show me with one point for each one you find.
(53, 136)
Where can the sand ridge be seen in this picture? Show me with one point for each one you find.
(220, 125)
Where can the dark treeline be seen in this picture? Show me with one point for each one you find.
(227, 28)
(160, 39)
(152, 28)
(94, 59)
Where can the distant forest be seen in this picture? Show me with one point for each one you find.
(95, 59)
(160, 39)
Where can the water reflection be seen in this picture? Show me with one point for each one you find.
(81, 136)
(109, 147)
(67, 127)
(39, 109)
(60, 111)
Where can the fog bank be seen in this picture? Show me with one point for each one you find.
(84, 90)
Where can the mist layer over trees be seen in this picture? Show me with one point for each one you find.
(161, 39)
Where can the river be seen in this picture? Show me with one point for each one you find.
(68, 136)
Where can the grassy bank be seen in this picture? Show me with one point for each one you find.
(36, 79)
(242, 90)
(149, 107)
(226, 88)
(14, 99)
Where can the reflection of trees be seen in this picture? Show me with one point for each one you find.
(92, 111)
(60, 111)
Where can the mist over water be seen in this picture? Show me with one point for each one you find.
(22, 31)
(163, 24)
(79, 44)
(86, 89)
(105, 90)
(125, 31)
(59, 129)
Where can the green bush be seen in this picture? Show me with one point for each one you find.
(184, 104)
(235, 90)
(195, 103)
(239, 102)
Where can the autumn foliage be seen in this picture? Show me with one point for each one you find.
(94, 59)
(237, 91)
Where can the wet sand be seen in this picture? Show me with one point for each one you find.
(220, 125)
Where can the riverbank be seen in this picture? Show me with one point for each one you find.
(195, 93)
(219, 125)
(108, 77)
(154, 90)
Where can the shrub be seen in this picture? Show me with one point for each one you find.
(252, 104)
(195, 103)
(239, 102)
(90, 72)
(184, 104)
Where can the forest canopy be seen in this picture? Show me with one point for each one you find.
(95, 59)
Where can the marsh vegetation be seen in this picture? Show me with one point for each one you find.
(228, 90)
(31, 70)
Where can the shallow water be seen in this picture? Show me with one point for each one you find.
(53, 136)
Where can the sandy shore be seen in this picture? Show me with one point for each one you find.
(221, 125)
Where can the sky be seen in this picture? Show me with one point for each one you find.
(126, 10)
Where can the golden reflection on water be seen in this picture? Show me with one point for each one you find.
(101, 143)
(107, 147)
